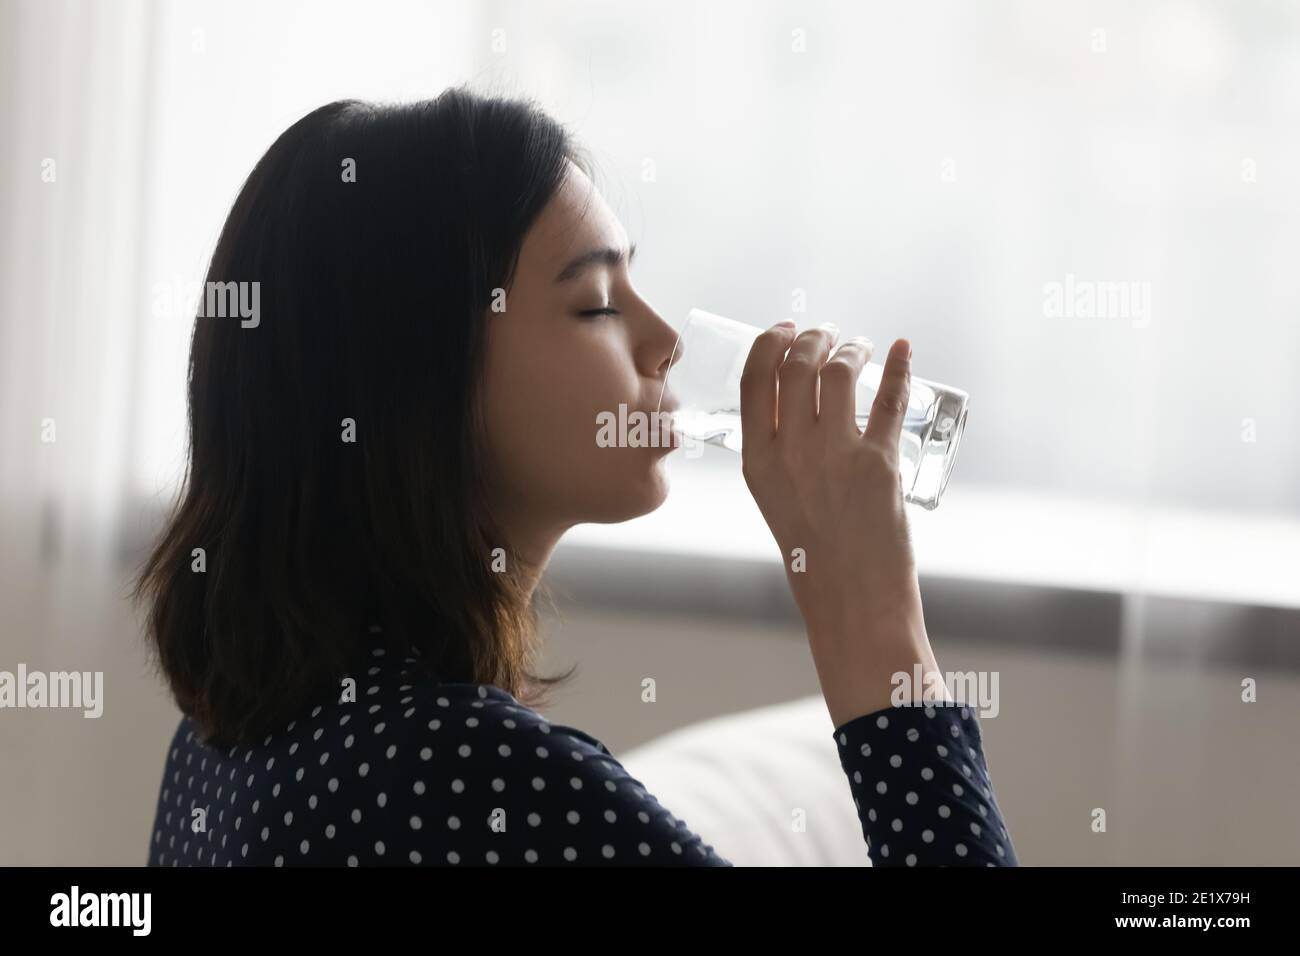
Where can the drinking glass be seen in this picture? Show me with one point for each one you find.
(705, 381)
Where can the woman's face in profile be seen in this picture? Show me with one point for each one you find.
(556, 361)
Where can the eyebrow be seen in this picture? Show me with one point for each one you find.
(606, 255)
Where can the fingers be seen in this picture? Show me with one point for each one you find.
(839, 376)
(885, 422)
(797, 393)
(758, 386)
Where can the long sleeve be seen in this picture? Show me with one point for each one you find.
(922, 787)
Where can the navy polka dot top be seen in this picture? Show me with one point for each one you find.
(423, 773)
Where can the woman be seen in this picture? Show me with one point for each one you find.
(380, 467)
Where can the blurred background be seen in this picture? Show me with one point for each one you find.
(1120, 540)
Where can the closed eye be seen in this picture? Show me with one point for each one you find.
(592, 313)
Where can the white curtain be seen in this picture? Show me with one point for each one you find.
(78, 91)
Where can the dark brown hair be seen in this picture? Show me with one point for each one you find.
(377, 235)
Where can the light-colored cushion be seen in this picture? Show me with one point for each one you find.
(764, 786)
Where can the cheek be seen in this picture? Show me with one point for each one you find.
(542, 398)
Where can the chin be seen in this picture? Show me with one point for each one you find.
(638, 495)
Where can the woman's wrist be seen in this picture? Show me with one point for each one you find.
(874, 668)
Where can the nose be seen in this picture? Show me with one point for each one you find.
(659, 348)
(666, 344)
(675, 356)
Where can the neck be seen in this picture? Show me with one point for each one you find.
(532, 552)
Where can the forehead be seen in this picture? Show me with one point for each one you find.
(576, 219)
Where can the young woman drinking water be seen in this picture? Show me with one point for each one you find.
(380, 469)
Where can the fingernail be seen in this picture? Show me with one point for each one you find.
(784, 323)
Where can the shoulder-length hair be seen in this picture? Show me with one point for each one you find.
(334, 477)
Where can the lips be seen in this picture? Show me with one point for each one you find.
(669, 435)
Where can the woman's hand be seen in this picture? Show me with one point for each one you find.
(831, 495)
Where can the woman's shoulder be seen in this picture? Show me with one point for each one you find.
(388, 706)
(360, 768)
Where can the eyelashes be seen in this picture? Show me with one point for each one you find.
(597, 313)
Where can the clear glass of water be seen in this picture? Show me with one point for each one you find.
(704, 383)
